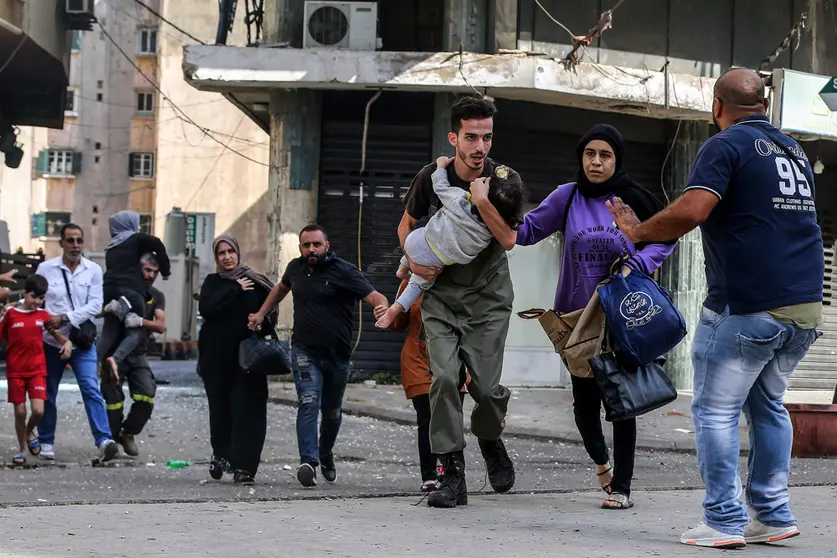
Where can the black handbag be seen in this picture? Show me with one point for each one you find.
(265, 354)
(630, 391)
(84, 336)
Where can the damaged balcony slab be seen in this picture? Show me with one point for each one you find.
(517, 76)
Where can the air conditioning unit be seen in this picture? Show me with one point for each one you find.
(80, 7)
(340, 25)
(79, 14)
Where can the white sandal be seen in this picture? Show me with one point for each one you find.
(624, 503)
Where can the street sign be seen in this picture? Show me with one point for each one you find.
(829, 94)
(200, 232)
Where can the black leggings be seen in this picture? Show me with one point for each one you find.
(116, 340)
(587, 406)
(427, 459)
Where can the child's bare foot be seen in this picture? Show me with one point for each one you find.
(403, 272)
(443, 162)
(386, 320)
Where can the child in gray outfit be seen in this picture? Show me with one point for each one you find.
(456, 233)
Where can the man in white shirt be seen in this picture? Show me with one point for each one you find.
(84, 281)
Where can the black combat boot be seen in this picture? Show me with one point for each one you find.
(499, 464)
(452, 491)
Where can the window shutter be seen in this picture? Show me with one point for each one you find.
(43, 161)
(77, 162)
(131, 165)
(151, 164)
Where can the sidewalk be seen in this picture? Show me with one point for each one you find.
(541, 414)
(503, 525)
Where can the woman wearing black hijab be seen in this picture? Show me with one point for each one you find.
(591, 245)
(237, 401)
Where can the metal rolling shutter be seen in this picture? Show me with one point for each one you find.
(395, 153)
(545, 160)
(818, 370)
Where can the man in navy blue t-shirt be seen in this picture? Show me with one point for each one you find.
(751, 190)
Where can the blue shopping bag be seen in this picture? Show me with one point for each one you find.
(641, 317)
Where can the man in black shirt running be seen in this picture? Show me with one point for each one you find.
(325, 290)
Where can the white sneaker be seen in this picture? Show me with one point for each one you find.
(47, 452)
(108, 450)
(758, 532)
(704, 535)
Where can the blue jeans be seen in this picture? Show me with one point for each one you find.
(83, 364)
(744, 363)
(320, 384)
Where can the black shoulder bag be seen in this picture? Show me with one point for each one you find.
(84, 336)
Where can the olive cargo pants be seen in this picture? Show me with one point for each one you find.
(465, 317)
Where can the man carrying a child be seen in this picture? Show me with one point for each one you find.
(466, 312)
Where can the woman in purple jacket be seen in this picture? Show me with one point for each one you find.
(592, 243)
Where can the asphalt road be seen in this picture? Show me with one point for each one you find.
(374, 458)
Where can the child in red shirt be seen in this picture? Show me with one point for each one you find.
(23, 327)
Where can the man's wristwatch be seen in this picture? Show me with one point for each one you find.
(64, 319)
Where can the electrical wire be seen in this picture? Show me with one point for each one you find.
(558, 23)
(360, 206)
(673, 141)
(147, 7)
(462, 73)
(174, 106)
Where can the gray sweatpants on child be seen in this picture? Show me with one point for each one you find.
(420, 252)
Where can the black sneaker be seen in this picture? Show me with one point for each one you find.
(243, 478)
(452, 491)
(306, 474)
(129, 444)
(499, 465)
(218, 466)
(327, 468)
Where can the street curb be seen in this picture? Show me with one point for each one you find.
(407, 418)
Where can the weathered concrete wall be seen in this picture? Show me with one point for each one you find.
(466, 24)
(700, 38)
(295, 118)
(194, 172)
(683, 273)
(511, 76)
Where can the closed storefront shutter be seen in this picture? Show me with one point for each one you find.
(818, 370)
(398, 146)
(545, 160)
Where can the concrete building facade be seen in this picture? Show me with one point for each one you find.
(651, 74)
(126, 145)
(34, 72)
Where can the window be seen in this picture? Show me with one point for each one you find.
(59, 162)
(76, 44)
(100, 83)
(141, 165)
(70, 101)
(145, 102)
(147, 40)
(98, 145)
(145, 223)
(99, 97)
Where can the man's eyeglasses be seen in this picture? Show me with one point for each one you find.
(77, 240)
